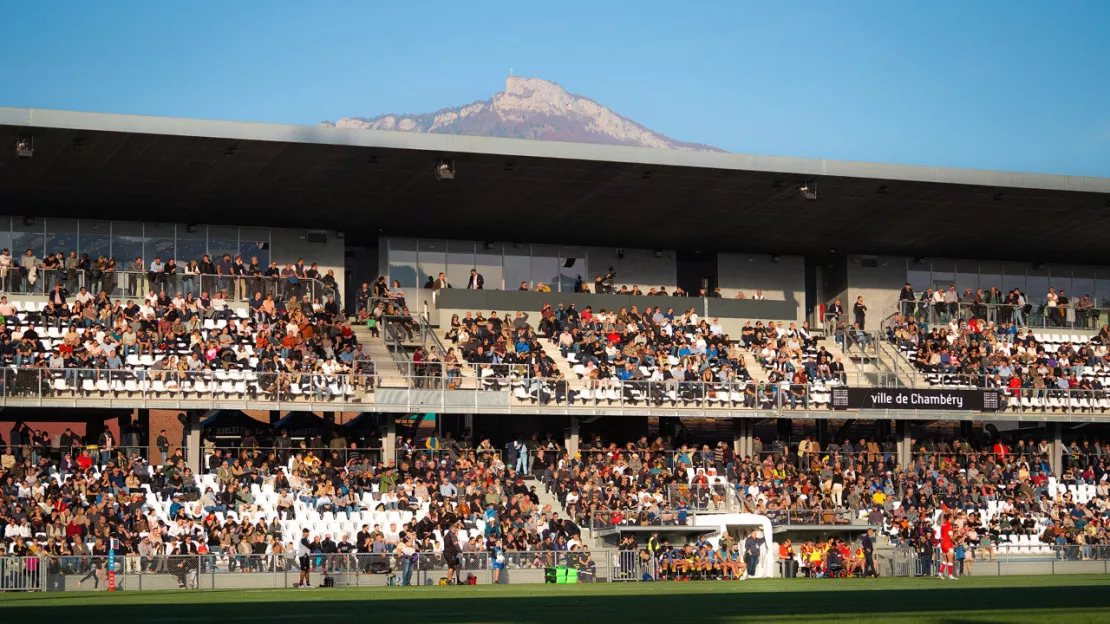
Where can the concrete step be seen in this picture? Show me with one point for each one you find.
(551, 349)
(755, 369)
(389, 374)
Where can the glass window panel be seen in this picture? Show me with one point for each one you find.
(1037, 285)
(460, 259)
(95, 239)
(518, 267)
(26, 237)
(402, 262)
(545, 266)
(61, 235)
(1060, 279)
(944, 274)
(967, 276)
(127, 244)
(919, 277)
(1102, 289)
(572, 267)
(159, 240)
(488, 262)
(190, 245)
(1081, 286)
(990, 276)
(221, 241)
(6, 234)
(1014, 277)
(432, 260)
(255, 243)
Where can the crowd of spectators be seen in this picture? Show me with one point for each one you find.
(991, 305)
(656, 355)
(1009, 490)
(232, 275)
(980, 353)
(249, 508)
(282, 342)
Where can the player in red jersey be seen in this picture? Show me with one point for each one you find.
(947, 548)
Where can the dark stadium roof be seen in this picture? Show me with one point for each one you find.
(364, 182)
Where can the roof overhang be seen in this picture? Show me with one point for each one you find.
(93, 165)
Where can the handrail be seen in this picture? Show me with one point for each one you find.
(603, 519)
(138, 284)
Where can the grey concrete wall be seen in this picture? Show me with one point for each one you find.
(638, 267)
(784, 280)
(879, 286)
(289, 244)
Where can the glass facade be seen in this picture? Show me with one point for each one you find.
(503, 266)
(126, 241)
(1033, 280)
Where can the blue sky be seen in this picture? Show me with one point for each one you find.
(1014, 85)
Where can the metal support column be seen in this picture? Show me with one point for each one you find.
(191, 434)
(738, 437)
(905, 445)
(389, 440)
(1057, 458)
(572, 437)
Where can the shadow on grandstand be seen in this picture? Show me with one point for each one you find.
(702, 601)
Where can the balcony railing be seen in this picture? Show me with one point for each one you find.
(492, 390)
(138, 284)
(1034, 315)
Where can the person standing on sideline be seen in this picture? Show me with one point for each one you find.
(868, 545)
(752, 546)
(408, 561)
(452, 552)
(947, 549)
(304, 558)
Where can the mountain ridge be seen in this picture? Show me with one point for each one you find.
(528, 108)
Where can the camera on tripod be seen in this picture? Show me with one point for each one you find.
(605, 283)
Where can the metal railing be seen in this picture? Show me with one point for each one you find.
(137, 284)
(478, 456)
(1007, 560)
(257, 454)
(234, 570)
(614, 519)
(720, 497)
(68, 386)
(1034, 314)
(123, 386)
(787, 517)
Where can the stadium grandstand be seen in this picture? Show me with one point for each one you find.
(247, 355)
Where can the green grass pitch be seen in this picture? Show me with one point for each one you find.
(1041, 599)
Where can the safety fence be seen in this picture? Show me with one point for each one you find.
(135, 572)
(138, 284)
(154, 386)
(615, 519)
(479, 456)
(1034, 314)
(786, 517)
(232, 388)
(1003, 561)
(282, 455)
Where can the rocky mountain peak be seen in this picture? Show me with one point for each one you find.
(528, 108)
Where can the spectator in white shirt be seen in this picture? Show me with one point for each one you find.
(716, 329)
